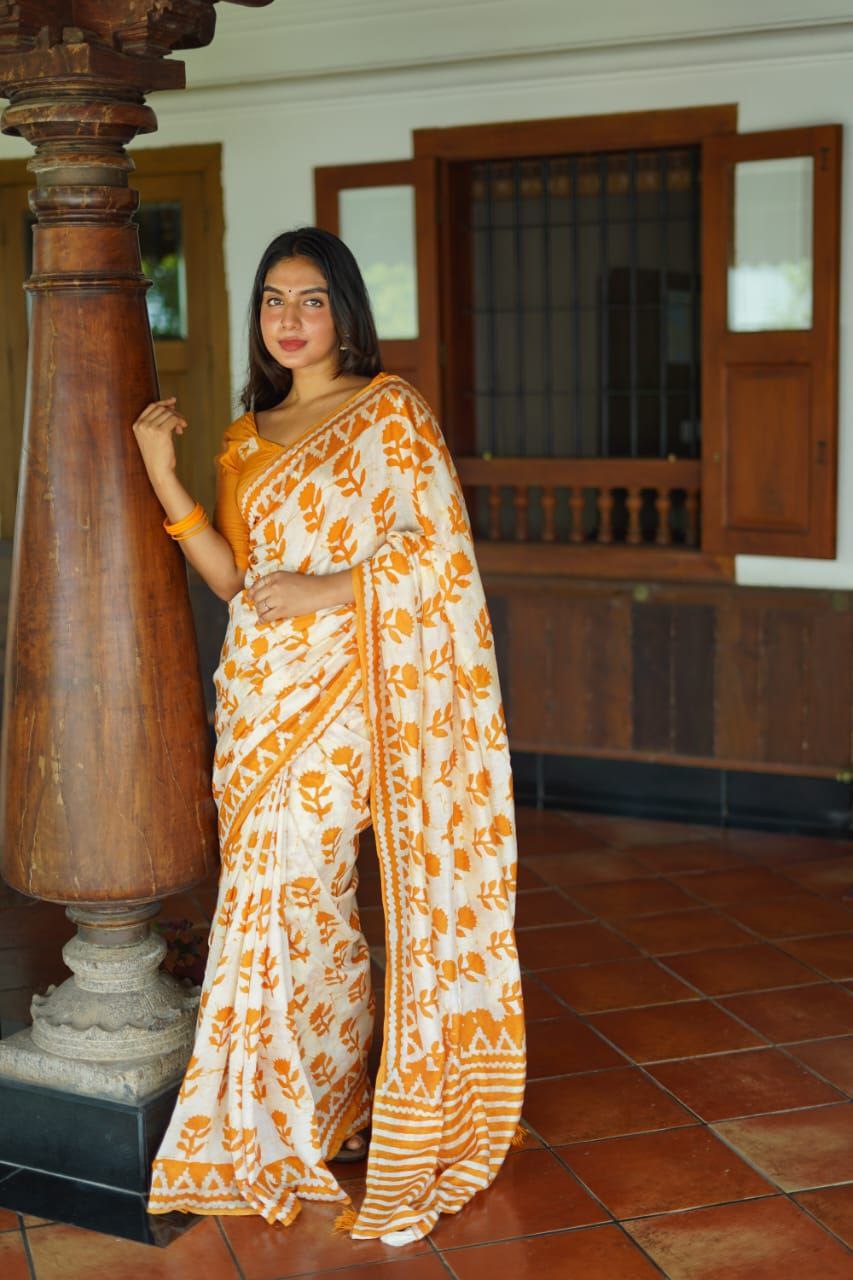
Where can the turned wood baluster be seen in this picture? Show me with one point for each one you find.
(663, 505)
(691, 506)
(549, 501)
(576, 509)
(634, 503)
(494, 512)
(520, 501)
(605, 516)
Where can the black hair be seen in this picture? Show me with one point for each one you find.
(268, 382)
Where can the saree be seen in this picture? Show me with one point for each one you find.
(386, 711)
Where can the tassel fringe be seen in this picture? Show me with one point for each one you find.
(345, 1221)
(519, 1137)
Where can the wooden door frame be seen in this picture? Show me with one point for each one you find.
(205, 162)
(454, 148)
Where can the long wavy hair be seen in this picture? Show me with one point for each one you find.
(268, 382)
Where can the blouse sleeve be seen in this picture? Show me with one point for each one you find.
(227, 517)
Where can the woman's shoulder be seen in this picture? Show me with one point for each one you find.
(240, 431)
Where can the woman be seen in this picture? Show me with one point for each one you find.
(357, 683)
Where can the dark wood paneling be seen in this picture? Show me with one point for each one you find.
(830, 687)
(712, 675)
(739, 681)
(693, 679)
(652, 648)
(611, 673)
(786, 691)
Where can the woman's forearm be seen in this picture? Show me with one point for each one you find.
(208, 552)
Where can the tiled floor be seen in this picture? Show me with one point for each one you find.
(689, 997)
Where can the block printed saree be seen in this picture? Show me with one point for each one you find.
(386, 711)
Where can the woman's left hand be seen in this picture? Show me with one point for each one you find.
(288, 595)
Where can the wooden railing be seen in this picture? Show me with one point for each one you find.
(636, 502)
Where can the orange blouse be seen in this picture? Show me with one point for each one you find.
(244, 454)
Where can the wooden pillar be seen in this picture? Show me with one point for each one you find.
(106, 795)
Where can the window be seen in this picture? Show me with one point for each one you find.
(632, 334)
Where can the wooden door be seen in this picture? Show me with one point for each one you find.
(181, 228)
(770, 353)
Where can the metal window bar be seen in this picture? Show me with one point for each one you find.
(588, 213)
(663, 301)
(521, 434)
(577, 339)
(490, 294)
(545, 170)
(694, 306)
(634, 446)
(604, 323)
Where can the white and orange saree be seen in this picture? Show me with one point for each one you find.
(394, 702)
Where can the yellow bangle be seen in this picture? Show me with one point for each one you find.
(189, 526)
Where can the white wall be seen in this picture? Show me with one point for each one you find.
(299, 85)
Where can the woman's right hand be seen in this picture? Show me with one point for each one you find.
(153, 430)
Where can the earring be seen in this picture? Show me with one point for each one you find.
(342, 348)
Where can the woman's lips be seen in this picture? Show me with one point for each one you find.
(292, 344)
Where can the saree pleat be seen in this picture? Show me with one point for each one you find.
(395, 701)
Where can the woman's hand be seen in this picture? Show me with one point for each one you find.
(153, 430)
(282, 595)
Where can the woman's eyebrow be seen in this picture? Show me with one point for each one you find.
(314, 288)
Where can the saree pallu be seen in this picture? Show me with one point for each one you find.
(388, 711)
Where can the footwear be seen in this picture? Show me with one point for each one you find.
(351, 1155)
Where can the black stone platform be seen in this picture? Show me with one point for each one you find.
(85, 1161)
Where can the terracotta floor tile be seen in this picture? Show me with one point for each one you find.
(832, 1059)
(831, 954)
(29, 925)
(8, 1220)
(662, 1172)
(426, 1267)
(617, 984)
(789, 917)
(743, 1084)
(797, 1149)
(557, 945)
(597, 1253)
(833, 1206)
(753, 1240)
(604, 1104)
(682, 931)
(632, 898)
(777, 847)
(601, 866)
(373, 925)
(667, 1031)
(527, 878)
(798, 1013)
(625, 832)
(564, 1046)
(13, 1259)
(532, 1193)
(67, 1253)
(309, 1244)
(831, 876)
(719, 887)
(551, 833)
(538, 1001)
(692, 856)
(545, 906)
(726, 970)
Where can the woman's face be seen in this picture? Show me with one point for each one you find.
(296, 319)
